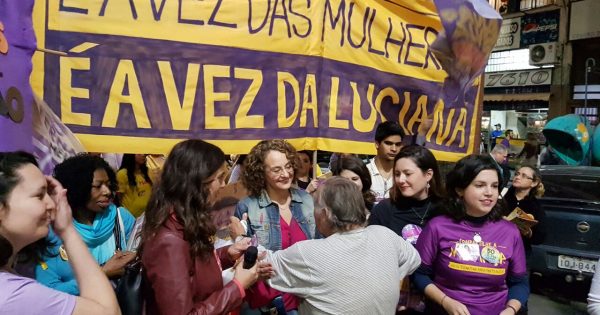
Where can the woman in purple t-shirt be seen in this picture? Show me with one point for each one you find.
(473, 261)
(29, 203)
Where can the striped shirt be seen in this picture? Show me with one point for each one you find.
(356, 272)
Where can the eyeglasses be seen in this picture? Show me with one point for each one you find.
(523, 175)
(278, 170)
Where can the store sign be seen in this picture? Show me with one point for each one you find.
(510, 35)
(518, 78)
(540, 28)
(583, 21)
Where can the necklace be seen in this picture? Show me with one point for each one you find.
(422, 217)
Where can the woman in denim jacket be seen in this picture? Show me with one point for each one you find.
(278, 214)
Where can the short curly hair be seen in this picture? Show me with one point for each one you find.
(254, 165)
(76, 174)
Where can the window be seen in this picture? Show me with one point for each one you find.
(573, 187)
(510, 60)
(591, 113)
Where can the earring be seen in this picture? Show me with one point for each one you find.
(427, 189)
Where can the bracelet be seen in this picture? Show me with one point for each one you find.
(512, 308)
(442, 301)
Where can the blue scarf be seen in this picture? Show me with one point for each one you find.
(96, 236)
(100, 230)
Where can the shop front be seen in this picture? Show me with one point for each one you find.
(518, 78)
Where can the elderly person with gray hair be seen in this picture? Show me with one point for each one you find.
(500, 155)
(354, 269)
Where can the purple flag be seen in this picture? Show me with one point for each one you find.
(471, 29)
(17, 44)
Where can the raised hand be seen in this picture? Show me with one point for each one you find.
(62, 217)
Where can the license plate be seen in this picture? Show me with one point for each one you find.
(576, 263)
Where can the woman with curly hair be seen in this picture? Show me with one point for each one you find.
(135, 186)
(278, 214)
(29, 204)
(182, 267)
(473, 261)
(354, 169)
(105, 229)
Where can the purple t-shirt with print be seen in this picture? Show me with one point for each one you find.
(20, 295)
(471, 262)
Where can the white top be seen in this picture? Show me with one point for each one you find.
(594, 295)
(379, 185)
(356, 272)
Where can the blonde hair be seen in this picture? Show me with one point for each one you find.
(539, 190)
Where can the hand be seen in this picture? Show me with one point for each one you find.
(454, 307)
(526, 232)
(246, 277)
(236, 250)
(265, 269)
(114, 267)
(312, 186)
(508, 311)
(62, 216)
(236, 228)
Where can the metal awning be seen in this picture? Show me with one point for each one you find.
(521, 97)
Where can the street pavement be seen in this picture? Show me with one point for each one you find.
(541, 305)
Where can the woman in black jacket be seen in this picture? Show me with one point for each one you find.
(526, 188)
(414, 199)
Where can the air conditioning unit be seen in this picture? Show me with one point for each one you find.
(543, 54)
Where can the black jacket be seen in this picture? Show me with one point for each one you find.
(395, 216)
(532, 206)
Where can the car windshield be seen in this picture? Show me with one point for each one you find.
(573, 187)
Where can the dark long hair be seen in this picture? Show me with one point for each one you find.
(129, 164)
(183, 191)
(425, 161)
(461, 176)
(356, 165)
(10, 163)
(76, 174)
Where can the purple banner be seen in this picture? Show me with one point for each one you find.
(294, 76)
(136, 77)
(17, 44)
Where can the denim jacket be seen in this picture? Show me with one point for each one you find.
(263, 217)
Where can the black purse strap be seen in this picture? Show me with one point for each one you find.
(117, 232)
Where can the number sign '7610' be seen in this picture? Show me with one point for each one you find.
(519, 78)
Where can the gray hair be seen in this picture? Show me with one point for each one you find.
(344, 201)
(499, 148)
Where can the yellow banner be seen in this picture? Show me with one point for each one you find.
(139, 76)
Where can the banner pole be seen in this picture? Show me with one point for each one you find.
(315, 164)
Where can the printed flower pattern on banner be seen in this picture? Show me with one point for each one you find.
(471, 29)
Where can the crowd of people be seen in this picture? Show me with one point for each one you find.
(391, 235)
